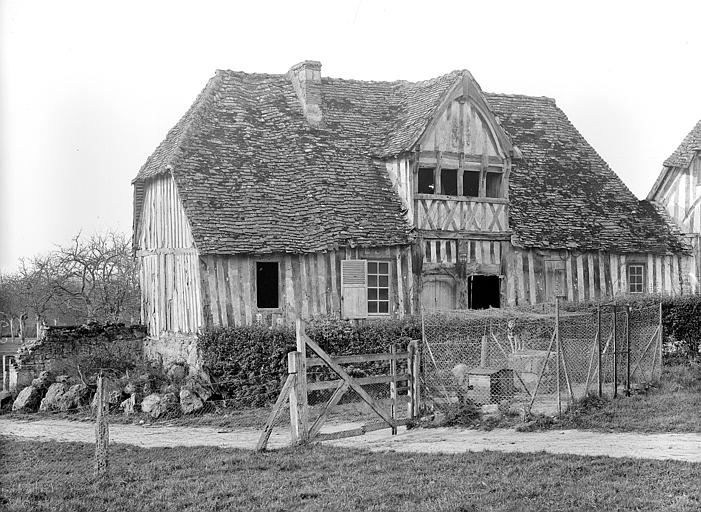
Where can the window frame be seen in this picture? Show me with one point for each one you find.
(642, 276)
(378, 287)
(279, 284)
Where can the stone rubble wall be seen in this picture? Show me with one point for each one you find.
(61, 343)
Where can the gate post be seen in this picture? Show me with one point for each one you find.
(627, 350)
(301, 386)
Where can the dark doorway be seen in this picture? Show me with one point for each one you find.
(267, 282)
(484, 292)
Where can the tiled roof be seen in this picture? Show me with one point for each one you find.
(255, 177)
(563, 195)
(684, 154)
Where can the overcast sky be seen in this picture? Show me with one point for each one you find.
(88, 89)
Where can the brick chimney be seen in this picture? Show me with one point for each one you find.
(306, 79)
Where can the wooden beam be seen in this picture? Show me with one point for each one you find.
(279, 403)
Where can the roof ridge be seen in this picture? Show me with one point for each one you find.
(517, 96)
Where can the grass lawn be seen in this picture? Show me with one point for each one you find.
(55, 476)
(673, 406)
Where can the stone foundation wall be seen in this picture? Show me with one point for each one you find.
(61, 344)
(172, 348)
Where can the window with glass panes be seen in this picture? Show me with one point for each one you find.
(636, 278)
(378, 287)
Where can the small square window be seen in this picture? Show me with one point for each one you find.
(378, 287)
(636, 278)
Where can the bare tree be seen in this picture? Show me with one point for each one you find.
(100, 275)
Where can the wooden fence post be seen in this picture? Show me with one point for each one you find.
(292, 368)
(393, 384)
(416, 378)
(410, 385)
(599, 375)
(557, 352)
(102, 433)
(301, 384)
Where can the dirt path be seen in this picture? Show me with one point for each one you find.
(684, 447)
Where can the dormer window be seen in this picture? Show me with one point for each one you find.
(426, 180)
(449, 182)
(471, 183)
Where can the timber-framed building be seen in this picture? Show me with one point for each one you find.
(294, 195)
(678, 191)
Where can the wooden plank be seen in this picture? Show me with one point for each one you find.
(570, 278)
(293, 362)
(301, 387)
(393, 386)
(335, 289)
(623, 269)
(328, 406)
(581, 285)
(522, 299)
(222, 287)
(659, 282)
(667, 274)
(213, 301)
(246, 271)
(410, 280)
(615, 283)
(277, 408)
(304, 280)
(532, 290)
(675, 275)
(592, 286)
(322, 283)
(400, 283)
(353, 384)
(362, 381)
(290, 305)
(356, 358)
(510, 277)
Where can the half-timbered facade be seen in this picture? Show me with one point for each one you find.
(284, 196)
(678, 191)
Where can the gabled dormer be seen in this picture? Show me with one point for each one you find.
(456, 172)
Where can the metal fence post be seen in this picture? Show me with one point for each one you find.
(557, 353)
(615, 351)
(627, 349)
(599, 375)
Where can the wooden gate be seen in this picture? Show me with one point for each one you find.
(296, 388)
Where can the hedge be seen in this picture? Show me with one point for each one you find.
(249, 364)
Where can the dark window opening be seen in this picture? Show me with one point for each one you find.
(426, 184)
(267, 282)
(484, 292)
(449, 182)
(493, 184)
(471, 184)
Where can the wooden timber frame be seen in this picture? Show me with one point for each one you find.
(296, 388)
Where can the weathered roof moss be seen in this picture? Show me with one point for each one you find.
(255, 177)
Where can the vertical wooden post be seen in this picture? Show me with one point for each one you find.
(416, 380)
(557, 352)
(615, 352)
(484, 353)
(102, 434)
(410, 384)
(393, 384)
(302, 383)
(292, 368)
(659, 346)
(599, 375)
(627, 350)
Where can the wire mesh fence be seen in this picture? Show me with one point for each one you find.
(543, 361)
